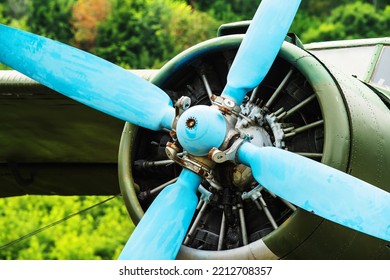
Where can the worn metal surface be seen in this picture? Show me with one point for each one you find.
(50, 144)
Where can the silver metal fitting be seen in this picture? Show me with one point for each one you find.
(226, 105)
(230, 153)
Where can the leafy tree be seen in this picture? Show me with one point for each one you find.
(14, 13)
(15, 9)
(320, 8)
(99, 233)
(378, 4)
(147, 33)
(125, 34)
(51, 19)
(86, 16)
(359, 20)
(351, 21)
(302, 22)
(3, 18)
(227, 10)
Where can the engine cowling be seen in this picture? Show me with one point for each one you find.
(302, 106)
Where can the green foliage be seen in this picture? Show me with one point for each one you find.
(86, 16)
(99, 233)
(3, 17)
(229, 11)
(127, 34)
(147, 33)
(13, 13)
(302, 22)
(359, 20)
(351, 21)
(320, 8)
(51, 19)
(15, 9)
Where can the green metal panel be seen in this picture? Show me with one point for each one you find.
(368, 160)
(347, 43)
(302, 224)
(50, 144)
(370, 125)
(233, 28)
(374, 61)
(126, 180)
(378, 43)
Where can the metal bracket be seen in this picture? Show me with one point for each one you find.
(253, 194)
(276, 129)
(225, 105)
(186, 160)
(182, 104)
(205, 195)
(230, 153)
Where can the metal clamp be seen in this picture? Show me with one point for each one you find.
(205, 195)
(186, 161)
(253, 194)
(225, 105)
(230, 153)
(182, 104)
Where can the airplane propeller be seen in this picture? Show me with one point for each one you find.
(313, 187)
(304, 182)
(79, 75)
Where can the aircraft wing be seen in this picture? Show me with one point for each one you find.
(50, 144)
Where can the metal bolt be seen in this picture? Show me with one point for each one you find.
(191, 122)
(185, 102)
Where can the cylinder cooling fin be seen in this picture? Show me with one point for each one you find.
(300, 106)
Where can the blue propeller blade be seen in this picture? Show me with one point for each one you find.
(86, 78)
(162, 229)
(320, 189)
(260, 47)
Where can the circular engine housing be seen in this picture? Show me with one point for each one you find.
(331, 118)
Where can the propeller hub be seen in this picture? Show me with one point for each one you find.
(201, 128)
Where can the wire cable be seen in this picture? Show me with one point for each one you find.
(11, 243)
